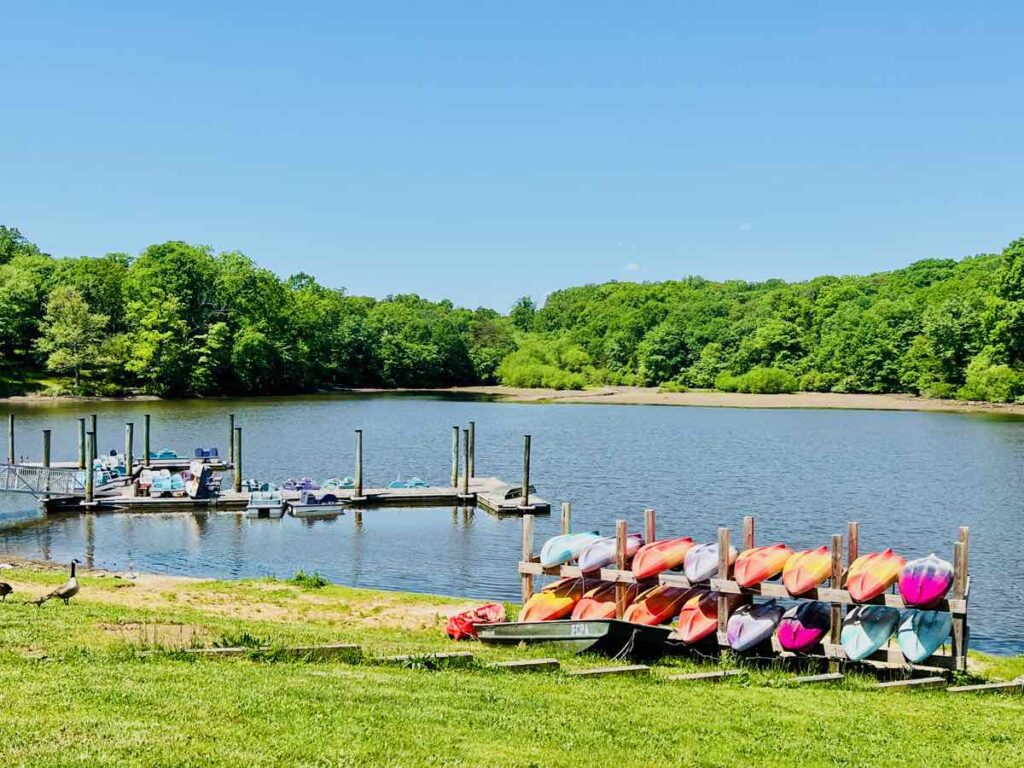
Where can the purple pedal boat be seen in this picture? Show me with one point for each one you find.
(925, 581)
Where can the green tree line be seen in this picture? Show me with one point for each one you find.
(180, 319)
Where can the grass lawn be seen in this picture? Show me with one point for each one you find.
(78, 689)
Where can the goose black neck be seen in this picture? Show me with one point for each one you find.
(72, 569)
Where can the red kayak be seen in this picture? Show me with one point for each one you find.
(657, 605)
(462, 626)
(599, 602)
(651, 559)
(698, 618)
(760, 563)
(555, 601)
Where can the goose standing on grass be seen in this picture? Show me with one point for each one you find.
(66, 591)
(5, 590)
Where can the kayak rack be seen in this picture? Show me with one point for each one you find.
(731, 595)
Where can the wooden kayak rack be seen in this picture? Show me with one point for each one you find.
(731, 595)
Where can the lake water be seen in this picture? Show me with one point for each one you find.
(910, 479)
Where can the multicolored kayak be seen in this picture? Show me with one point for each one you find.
(701, 562)
(651, 559)
(658, 605)
(760, 563)
(561, 549)
(752, 624)
(925, 581)
(866, 629)
(870, 575)
(922, 633)
(803, 626)
(555, 601)
(601, 554)
(698, 618)
(806, 570)
(599, 602)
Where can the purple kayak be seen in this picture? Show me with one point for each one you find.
(803, 626)
(601, 553)
(751, 625)
(925, 581)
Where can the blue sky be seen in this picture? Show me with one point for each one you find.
(482, 151)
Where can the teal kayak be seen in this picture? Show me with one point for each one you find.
(866, 629)
(561, 549)
(922, 633)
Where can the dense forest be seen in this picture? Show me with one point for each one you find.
(180, 319)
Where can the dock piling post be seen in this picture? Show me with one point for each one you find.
(566, 517)
(10, 438)
(95, 436)
(472, 449)
(650, 526)
(835, 582)
(145, 441)
(238, 459)
(526, 586)
(960, 574)
(748, 532)
(81, 444)
(526, 471)
(621, 590)
(90, 472)
(455, 457)
(723, 573)
(231, 438)
(852, 542)
(129, 449)
(46, 448)
(358, 491)
(465, 471)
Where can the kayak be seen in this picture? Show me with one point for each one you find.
(866, 629)
(806, 570)
(760, 563)
(562, 549)
(870, 575)
(462, 626)
(752, 624)
(658, 605)
(602, 553)
(651, 559)
(925, 581)
(555, 601)
(803, 626)
(701, 561)
(698, 618)
(599, 602)
(922, 633)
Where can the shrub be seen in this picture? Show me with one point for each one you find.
(671, 386)
(815, 381)
(309, 580)
(995, 383)
(758, 381)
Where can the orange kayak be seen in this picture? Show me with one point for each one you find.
(870, 575)
(651, 559)
(599, 602)
(698, 618)
(755, 565)
(555, 601)
(806, 570)
(657, 605)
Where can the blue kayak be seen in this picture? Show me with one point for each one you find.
(922, 633)
(866, 629)
(561, 549)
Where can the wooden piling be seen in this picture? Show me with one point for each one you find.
(723, 573)
(46, 448)
(81, 444)
(10, 438)
(145, 442)
(231, 438)
(238, 459)
(526, 471)
(621, 590)
(852, 542)
(650, 526)
(129, 448)
(455, 457)
(836, 611)
(526, 583)
(358, 490)
(472, 449)
(959, 591)
(465, 471)
(748, 532)
(95, 435)
(90, 472)
(566, 517)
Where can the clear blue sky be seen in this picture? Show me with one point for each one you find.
(486, 150)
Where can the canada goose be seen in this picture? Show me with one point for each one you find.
(65, 592)
(5, 590)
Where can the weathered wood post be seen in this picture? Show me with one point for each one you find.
(621, 590)
(231, 438)
(465, 456)
(145, 441)
(836, 610)
(455, 457)
(129, 449)
(472, 449)
(748, 532)
(960, 583)
(526, 579)
(358, 491)
(46, 457)
(95, 436)
(723, 573)
(566, 517)
(852, 542)
(526, 471)
(238, 459)
(90, 472)
(10, 438)
(650, 526)
(81, 444)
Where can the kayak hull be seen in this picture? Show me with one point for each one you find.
(922, 633)
(760, 564)
(869, 576)
(602, 553)
(751, 625)
(561, 549)
(698, 618)
(924, 582)
(657, 605)
(610, 637)
(555, 601)
(701, 561)
(599, 602)
(804, 626)
(866, 629)
(806, 570)
(658, 556)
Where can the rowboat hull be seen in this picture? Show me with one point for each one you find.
(610, 637)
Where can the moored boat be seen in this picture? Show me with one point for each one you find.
(316, 504)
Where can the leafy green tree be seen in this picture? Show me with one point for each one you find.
(523, 312)
(71, 335)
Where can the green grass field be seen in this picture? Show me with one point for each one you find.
(77, 688)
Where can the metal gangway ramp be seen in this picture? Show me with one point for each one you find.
(42, 481)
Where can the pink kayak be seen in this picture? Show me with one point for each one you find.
(803, 626)
(925, 581)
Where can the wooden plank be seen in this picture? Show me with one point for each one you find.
(570, 572)
(222, 653)
(915, 682)
(406, 657)
(727, 587)
(1010, 686)
(617, 576)
(892, 658)
(830, 677)
(632, 669)
(331, 651)
(525, 665)
(674, 580)
(710, 677)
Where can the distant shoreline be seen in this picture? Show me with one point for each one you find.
(633, 396)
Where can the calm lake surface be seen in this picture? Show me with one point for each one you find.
(910, 479)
